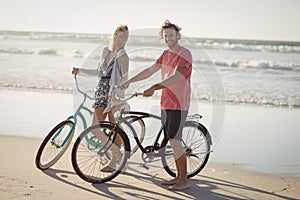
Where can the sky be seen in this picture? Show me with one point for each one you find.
(233, 19)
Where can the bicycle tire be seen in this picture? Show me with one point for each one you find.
(54, 145)
(88, 162)
(196, 142)
(140, 131)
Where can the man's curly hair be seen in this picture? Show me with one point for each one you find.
(168, 24)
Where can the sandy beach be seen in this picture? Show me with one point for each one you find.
(20, 179)
(238, 168)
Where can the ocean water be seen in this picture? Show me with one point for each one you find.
(247, 72)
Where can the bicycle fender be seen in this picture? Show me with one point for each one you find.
(203, 128)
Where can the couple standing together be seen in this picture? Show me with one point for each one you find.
(175, 66)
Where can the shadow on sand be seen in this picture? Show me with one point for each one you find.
(209, 188)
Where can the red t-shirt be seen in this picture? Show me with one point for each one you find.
(176, 96)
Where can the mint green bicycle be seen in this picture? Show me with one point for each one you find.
(60, 137)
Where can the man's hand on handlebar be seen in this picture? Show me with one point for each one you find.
(149, 92)
(75, 70)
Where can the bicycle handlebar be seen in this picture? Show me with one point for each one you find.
(78, 89)
(114, 90)
(125, 99)
(111, 103)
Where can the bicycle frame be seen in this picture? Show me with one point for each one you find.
(78, 113)
(135, 115)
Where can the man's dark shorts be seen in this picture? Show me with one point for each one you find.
(173, 122)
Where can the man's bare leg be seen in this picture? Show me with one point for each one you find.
(181, 180)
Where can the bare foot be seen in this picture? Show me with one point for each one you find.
(169, 182)
(108, 169)
(117, 156)
(179, 186)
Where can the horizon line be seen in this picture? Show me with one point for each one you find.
(184, 36)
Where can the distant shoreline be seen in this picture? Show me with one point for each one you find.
(230, 40)
(205, 101)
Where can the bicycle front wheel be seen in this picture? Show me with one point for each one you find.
(54, 145)
(196, 144)
(100, 153)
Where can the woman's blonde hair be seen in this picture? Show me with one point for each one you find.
(168, 24)
(120, 28)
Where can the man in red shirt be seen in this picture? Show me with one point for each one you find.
(175, 65)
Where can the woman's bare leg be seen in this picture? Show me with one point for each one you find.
(99, 116)
(115, 148)
(111, 118)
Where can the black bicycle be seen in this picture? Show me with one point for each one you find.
(115, 150)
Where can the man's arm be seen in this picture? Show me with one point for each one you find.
(142, 75)
(178, 74)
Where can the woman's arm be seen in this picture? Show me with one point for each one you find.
(120, 71)
(123, 63)
(90, 72)
(87, 72)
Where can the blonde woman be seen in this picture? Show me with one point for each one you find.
(112, 70)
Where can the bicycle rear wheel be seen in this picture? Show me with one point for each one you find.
(90, 160)
(54, 145)
(196, 143)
